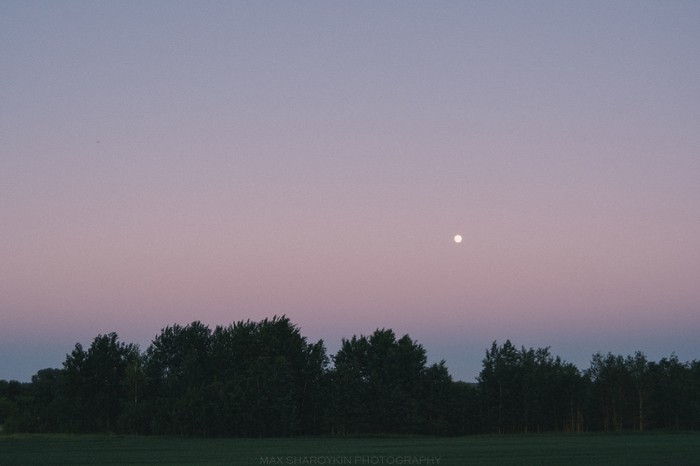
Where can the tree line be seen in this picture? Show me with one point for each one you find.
(263, 379)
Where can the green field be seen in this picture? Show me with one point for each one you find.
(533, 449)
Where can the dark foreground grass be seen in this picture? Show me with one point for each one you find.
(532, 449)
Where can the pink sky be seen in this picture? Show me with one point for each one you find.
(167, 163)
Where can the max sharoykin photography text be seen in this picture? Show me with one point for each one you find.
(358, 459)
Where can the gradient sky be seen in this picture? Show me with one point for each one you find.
(169, 161)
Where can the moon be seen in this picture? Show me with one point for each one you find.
(458, 239)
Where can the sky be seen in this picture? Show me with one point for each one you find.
(170, 161)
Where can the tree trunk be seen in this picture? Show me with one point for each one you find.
(641, 411)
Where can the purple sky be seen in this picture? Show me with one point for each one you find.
(163, 162)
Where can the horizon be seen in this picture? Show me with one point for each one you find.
(170, 162)
(471, 365)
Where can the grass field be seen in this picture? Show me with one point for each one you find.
(533, 449)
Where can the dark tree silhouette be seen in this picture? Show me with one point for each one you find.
(262, 379)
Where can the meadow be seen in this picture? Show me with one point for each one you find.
(530, 449)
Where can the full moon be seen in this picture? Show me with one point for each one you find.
(458, 239)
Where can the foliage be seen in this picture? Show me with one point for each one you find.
(530, 390)
(264, 379)
(377, 384)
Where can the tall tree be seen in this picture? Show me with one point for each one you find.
(95, 382)
(613, 391)
(378, 381)
(439, 402)
(500, 382)
(349, 407)
(177, 370)
(640, 374)
(527, 389)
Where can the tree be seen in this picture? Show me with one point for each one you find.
(177, 370)
(613, 391)
(500, 382)
(8, 405)
(262, 379)
(95, 388)
(527, 389)
(267, 378)
(349, 408)
(439, 402)
(378, 380)
(639, 371)
(674, 394)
